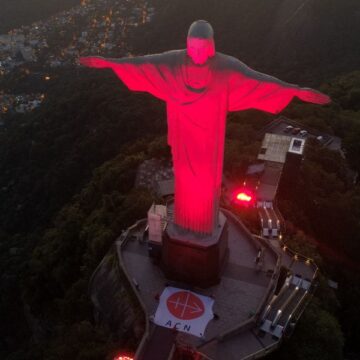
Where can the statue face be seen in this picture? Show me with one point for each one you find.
(200, 50)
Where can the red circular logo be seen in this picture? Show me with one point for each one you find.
(185, 305)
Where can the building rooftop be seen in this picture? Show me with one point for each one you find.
(274, 148)
(284, 126)
(255, 169)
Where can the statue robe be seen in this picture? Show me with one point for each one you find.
(196, 116)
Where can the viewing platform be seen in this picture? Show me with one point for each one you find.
(245, 302)
(263, 290)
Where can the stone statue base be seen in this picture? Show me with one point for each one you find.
(192, 258)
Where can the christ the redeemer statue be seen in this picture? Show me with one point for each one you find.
(200, 86)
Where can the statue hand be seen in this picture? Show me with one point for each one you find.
(93, 61)
(313, 96)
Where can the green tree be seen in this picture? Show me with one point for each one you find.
(317, 336)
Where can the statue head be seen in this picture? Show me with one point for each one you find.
(200, 42)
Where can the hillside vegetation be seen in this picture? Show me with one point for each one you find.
(71, 166)
(67, 173)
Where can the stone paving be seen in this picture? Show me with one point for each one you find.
(230, 349)
(237, 296)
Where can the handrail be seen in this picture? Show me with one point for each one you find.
(268, 292)
(119, 247)
(263, 351)
(249, 323)
(172, 352)
(295, 254)
(279, 214)
(300, 257)
(275, 297)
(253, 319)
(295, 309)
(285, 305)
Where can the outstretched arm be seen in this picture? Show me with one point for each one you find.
(97, 62)
(313, 96)
(250, 89)
(144, 73)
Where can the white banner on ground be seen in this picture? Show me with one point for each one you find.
(184, 311)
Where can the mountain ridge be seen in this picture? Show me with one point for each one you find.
(301, 41)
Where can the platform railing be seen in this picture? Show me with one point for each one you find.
(122, 243)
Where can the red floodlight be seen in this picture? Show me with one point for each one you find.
(244, 197)
(121, 357)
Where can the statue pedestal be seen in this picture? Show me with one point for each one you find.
(193, 258)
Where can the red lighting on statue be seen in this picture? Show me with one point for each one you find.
(200, 86)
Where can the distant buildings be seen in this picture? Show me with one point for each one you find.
(20, 103)
(93, 27)
(97, 22)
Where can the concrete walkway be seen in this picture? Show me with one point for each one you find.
(242, 290)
